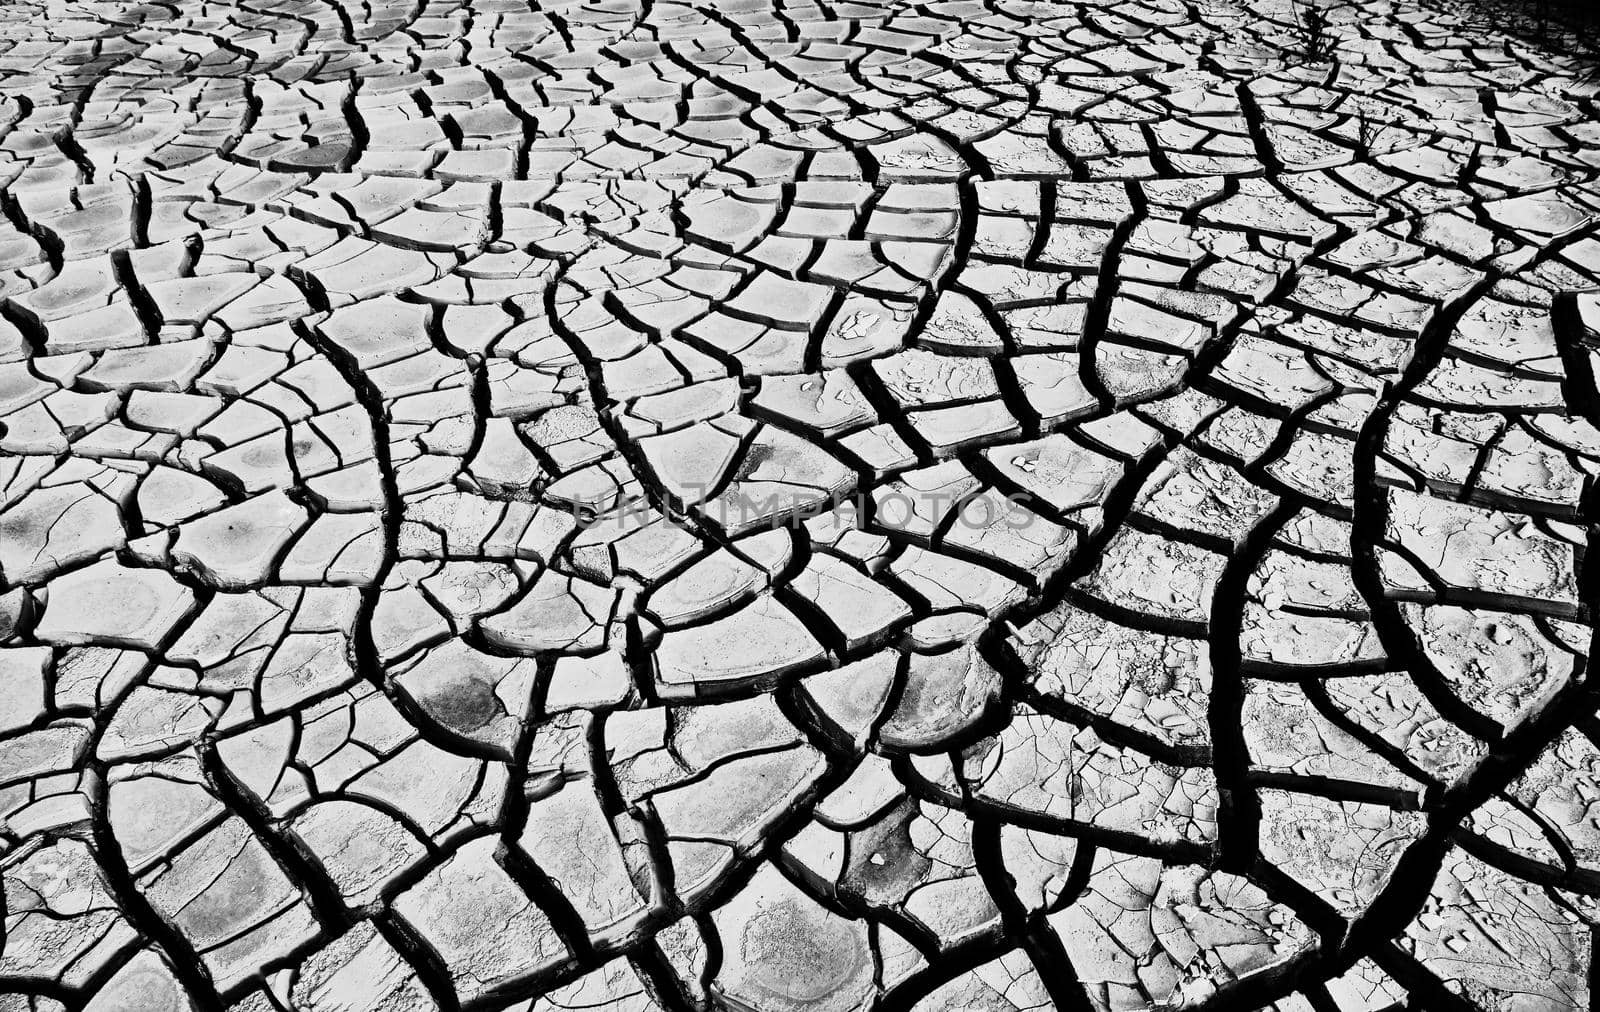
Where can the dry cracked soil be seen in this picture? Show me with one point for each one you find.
(786, 505)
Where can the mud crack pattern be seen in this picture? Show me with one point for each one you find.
(756, 505)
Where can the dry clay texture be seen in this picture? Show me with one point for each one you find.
(770, 505)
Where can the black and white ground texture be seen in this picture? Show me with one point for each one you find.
(780, 505)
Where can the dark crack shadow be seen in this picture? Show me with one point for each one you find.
(1568, 29)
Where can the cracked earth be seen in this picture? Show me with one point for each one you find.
(771, 506)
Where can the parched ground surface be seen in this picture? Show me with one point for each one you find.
(795, 506)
